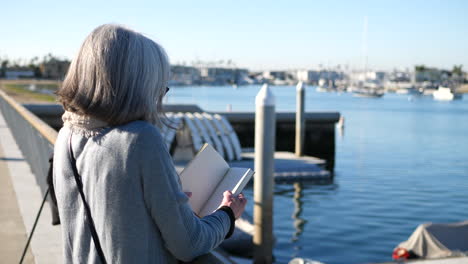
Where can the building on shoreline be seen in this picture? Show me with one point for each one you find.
(308, 76)
(223, 76)
(227, 73)
(188, 75)
(54, 68)
(184, 75)
(19, 73)
(279, 77)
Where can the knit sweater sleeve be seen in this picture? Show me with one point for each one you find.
(185, 235)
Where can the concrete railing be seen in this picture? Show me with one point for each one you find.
(35, 139)
(33, 136)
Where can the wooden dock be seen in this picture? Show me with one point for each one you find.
(288, 167)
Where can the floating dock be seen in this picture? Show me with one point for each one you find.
(289, 167)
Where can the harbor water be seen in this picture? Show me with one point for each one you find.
(400, 161)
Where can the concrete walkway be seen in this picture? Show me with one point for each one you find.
(20, 199)
(13, 235)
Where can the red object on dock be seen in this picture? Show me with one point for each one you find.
(400, 253)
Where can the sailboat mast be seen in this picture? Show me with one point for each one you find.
(364, 47)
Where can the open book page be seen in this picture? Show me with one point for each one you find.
(202, 175)
(234, 180)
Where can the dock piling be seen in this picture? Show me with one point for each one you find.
(265, 127)
(300, 120)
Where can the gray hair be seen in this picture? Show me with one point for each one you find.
(118, 76)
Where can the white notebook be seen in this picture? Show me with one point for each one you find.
(207, 176)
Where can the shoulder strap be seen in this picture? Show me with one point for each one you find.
(79, 184)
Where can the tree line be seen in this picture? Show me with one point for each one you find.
(49, 67)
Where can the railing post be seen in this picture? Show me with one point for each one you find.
(300, 120)
(265, 126)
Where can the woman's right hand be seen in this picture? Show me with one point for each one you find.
(237, 204)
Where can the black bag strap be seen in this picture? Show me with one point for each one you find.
(53, 198)
(79, 184)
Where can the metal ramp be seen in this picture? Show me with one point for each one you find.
(169, 133)
(191, 130)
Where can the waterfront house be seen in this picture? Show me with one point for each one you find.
(184, 75)
(223, 76)
(308, 76)
(432, 75)
(275, 75)
(54, 68)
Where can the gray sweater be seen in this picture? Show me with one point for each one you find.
(139, 209)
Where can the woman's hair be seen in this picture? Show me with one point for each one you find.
(118, 76)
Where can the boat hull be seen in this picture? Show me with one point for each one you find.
(368, 94)
(446, 95)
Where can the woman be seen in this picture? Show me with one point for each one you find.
(112, 95)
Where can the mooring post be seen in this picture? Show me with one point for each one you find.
(300, 119)
(265, 126)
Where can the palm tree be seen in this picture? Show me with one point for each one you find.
(420, 68)
(457, 70)
(4, 66)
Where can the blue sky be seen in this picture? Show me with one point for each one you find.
(254, 34)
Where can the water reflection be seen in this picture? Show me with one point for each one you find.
(299, 222)
(340, 127)
(340, 132)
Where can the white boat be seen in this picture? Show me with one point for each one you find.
(408, 91)
(435, 241)
(368, 89)
(368, 93)
(280, 82)
(321, 89)
(429, 91)
(322, 82)
(446, 94)
(325, 86)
